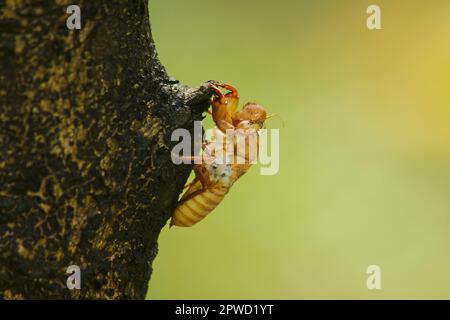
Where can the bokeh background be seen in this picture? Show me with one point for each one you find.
(364, 154)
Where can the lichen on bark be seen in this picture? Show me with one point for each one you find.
(85, 172)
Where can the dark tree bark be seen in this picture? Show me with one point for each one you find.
(85, 171)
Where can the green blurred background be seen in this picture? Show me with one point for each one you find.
(364, 154)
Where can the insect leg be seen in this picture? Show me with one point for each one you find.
(220, 96)
(190, 184)
(233, 93)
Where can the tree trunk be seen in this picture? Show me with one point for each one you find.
(86, 176)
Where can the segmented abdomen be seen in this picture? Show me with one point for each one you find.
(195, 208)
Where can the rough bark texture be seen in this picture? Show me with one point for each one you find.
(85, 172)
